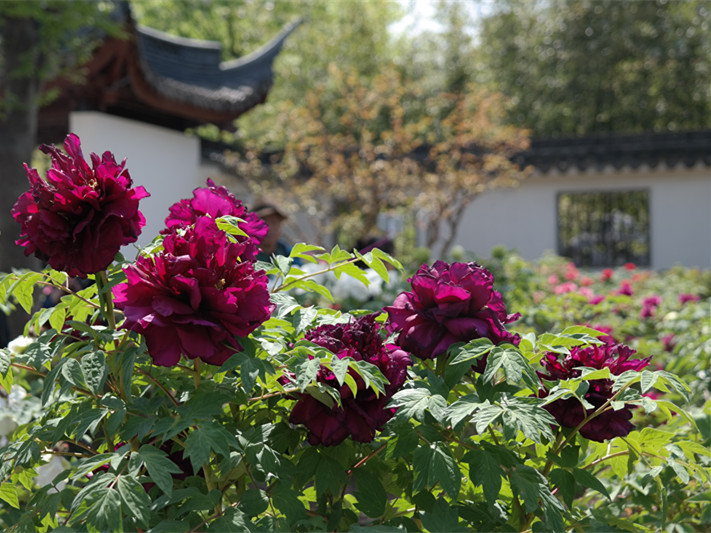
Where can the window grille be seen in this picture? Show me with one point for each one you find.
(604, 229)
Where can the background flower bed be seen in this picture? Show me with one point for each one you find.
(286, 409)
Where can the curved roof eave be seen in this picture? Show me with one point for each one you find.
(190, 71)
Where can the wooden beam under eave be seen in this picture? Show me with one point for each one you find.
(150, 97)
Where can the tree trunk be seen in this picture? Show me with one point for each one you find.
(20, 89)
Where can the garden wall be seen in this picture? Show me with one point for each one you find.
(165, 162)
(525, 218)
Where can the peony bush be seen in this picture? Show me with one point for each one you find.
(193, 388)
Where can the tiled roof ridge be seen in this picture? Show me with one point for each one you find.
(190, 70)
(626, 150)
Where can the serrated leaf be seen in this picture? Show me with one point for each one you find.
(470, 352)
(484, 470)
(306, 372)
(339, 367)
(135, 500)
(529, 484)
(434, 464)
(526, 415)
(371, 495)
(413, 403)
(158, 466)
(462, 408)
(104, 512)
(5, 360)
(203, 441)
(8, 493)
(486, 416)
(371, 374)
(515, 366)
(94, 370)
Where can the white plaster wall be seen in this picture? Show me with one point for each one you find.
(525, 218)
(164, 161)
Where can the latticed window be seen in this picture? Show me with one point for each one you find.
(604, 229)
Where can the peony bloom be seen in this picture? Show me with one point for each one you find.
(607, 274)
(569, 412)
(364, 413)
(565, 287)
(625, 288)
(449, 304)
(215, 202)
(80, 216)
(596, 299)
(649, 306)
(195, 298)
(685, 298)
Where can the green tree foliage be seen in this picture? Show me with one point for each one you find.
(579, 67)
(387, 145)
(349, 33)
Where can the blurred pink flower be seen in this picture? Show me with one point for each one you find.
(685, 298)
(565, 287)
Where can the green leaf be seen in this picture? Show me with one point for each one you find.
(94, 370)
(134, 499)
(565, 483)
(586, 479)
(330, 475)
(529, 484)
(8, 493)
(486, 416)
(230, 225)
(306, 372)
(288, 502)
(203, 441)
(463, 408)
(470, 352)
(5, 360)
(305, 251)
(485, 471)
(434, 464)
(72, 372)
(372, 376)
(254, 502)
(23, 289)
(515, 366)
(527, 416)
(104, 512)
(371, 494)
(158, 466)
(413, 403)
(442, 518)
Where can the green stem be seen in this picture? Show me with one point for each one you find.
(106, 298)
(196, 372)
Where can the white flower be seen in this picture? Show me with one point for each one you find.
(47, 472)
(19, 344)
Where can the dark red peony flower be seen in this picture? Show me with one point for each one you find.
(569, 412)
(80, 216)
(448, 304)
(359, 416)
(195, 298)
(216, 202)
